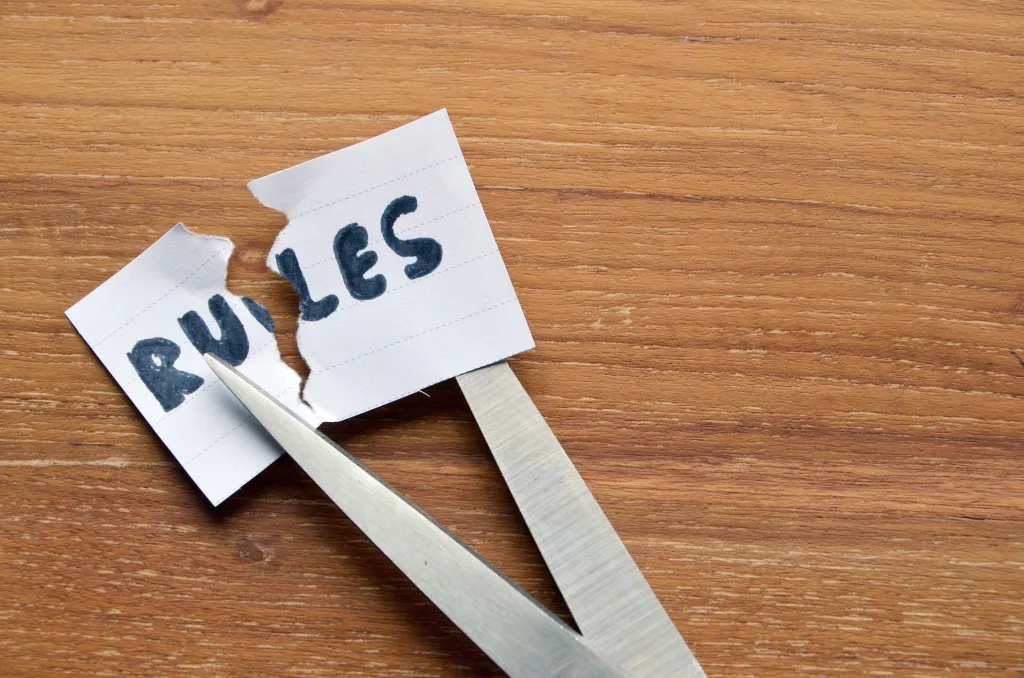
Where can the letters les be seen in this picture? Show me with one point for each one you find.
(353, 263)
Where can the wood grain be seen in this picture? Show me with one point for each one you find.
(771, 253)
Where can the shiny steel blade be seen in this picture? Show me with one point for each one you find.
(521, 636)
(612, 603)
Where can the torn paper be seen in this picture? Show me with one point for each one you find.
(400, 281)
(150, 324)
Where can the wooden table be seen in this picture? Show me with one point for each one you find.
(771, 254)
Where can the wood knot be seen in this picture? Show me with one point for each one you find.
(259, 9)
(249, 551)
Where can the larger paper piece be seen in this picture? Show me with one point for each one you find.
(145, 323)
(400, 281)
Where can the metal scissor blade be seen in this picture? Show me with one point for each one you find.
(607, 594)
(522, 637)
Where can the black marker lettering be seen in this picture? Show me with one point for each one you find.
(426, 250)
(153, 360)
(233, 345)
(347, 243)
(260, 312)
(288, 265)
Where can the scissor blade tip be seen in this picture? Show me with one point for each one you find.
(224, 371)
(227, 374)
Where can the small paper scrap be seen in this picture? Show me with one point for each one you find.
(150, 324)
(400, 281)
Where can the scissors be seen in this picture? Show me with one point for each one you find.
(624, 630)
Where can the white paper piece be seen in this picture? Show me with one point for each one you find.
(436, 301)
(131, 322)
